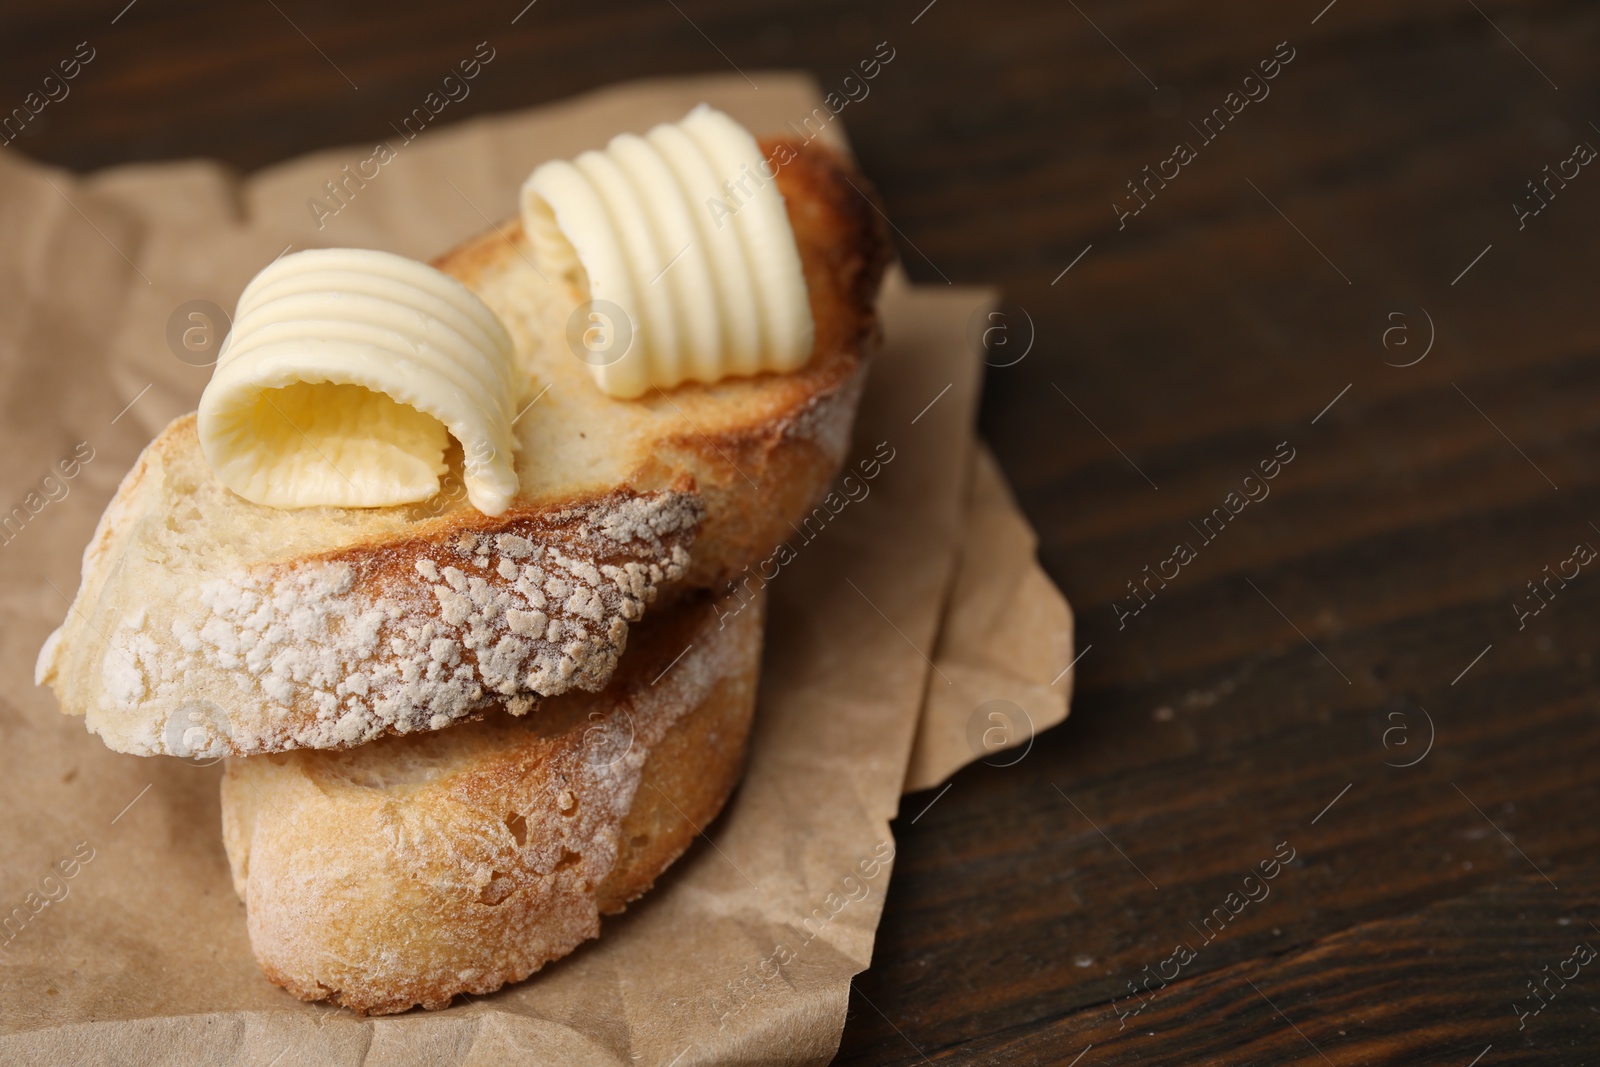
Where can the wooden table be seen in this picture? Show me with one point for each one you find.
(1347, 271)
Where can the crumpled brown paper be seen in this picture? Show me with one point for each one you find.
(1005, 643)
(121, 940)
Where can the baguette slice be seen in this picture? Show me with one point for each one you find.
(415, 868)
(206, 625)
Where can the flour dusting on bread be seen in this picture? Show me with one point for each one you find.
(334, 652)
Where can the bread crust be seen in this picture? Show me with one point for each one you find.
(416, 868)
(166, 649)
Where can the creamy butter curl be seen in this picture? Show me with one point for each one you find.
(685, 231)
(345, 375)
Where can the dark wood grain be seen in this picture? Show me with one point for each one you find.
(1267, 679)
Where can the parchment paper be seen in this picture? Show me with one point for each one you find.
(126, 943)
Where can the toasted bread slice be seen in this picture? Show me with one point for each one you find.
(206, 625)
(415, 868)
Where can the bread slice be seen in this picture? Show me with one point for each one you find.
(415, 868)
(206, 625)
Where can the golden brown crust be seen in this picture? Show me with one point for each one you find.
(413, 869)
(167, 649)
